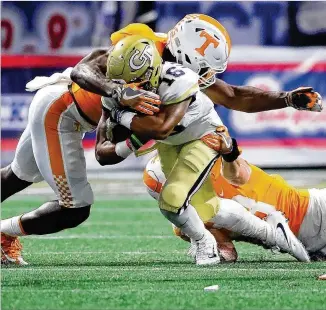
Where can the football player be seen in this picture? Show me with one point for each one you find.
(50, 149)
(262, 194)
(202, 44)
(185, 131)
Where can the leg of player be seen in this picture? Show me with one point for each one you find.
(230, 215)
(58, 153)
(273, 232)
(51, 217)
(312, 231)
(14, 179)
(186, 173)
(22, 172)
(10, 183)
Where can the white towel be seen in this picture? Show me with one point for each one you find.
(42, 81)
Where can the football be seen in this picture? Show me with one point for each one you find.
(120, 133)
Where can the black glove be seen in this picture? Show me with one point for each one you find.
(304, 98)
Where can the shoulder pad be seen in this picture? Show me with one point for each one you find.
(177, 83)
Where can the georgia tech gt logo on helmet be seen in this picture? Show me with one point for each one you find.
(137, 62)
(135, 59)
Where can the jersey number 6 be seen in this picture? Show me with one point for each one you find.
(174, 72)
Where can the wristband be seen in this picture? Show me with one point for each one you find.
(234, 154)
(122, 149)
(126, 119)
(136, 143)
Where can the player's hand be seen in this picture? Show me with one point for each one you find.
(304, 98)
(220, 140)
(133, 96)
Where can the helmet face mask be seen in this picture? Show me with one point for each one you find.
(207, 77)
(200, 42)
(134, 60)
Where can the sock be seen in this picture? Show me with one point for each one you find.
(188, 221)
(235, 217)
(12, 227)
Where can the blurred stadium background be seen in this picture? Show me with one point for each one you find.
(276, 45)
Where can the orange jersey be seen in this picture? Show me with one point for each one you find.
(88, 102)
(263, 193)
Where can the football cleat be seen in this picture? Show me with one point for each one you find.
(226, 248)
(192, 249)
(284, 239)
(206, 251)
(11, 251)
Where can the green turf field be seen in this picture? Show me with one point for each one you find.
(125, 257)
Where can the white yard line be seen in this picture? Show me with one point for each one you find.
(165, 290)
(109, 209)
(150, 269)
(124, 209)
(123, 223)
(87, 236)
(79, 253)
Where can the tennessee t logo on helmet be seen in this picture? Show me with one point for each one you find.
(201, 43)
(209, 40)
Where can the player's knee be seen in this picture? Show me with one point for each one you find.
(85, 197)
(10, 183)
(172, 198)
(74, 217)
(81, 196)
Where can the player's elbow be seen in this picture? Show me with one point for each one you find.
(161, 133)
(99, 155)
(77, 75)
(106, 155)
(100, 159)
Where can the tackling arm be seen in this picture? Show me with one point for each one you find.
(236, 172)
(161, 125)
(105, 149)
(251, 100)
(145, 127)
(90, 73)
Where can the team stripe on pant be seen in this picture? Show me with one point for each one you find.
(64, 190)
(199, 182)
(52, 124)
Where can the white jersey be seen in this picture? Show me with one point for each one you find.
(178, 84)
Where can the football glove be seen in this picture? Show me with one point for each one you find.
(133, 96)
(221, 142)
(109, 129)
(116, 114)
(304, 98)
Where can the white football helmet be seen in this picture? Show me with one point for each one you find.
(202, 44)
